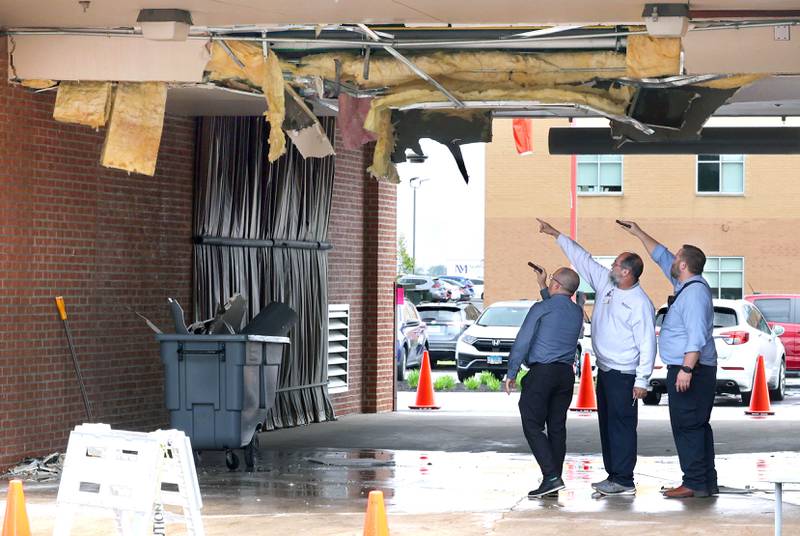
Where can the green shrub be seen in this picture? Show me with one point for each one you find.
(444, 383)
(485, 377)
(493, 383)
(472, 383)
(412, 378)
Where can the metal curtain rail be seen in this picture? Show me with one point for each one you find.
(206, 240)
(301, 387)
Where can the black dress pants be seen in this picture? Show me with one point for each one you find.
(618, 418)
(689, 415)
(546, 395)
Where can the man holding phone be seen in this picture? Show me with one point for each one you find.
(624, 342)
(546, 344)
(687, 349)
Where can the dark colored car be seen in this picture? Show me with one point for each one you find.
(422, 288)
(783, 310)
(446, 322)
(411, 339)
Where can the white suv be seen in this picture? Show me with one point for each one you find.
(485, 345)
(740, 334)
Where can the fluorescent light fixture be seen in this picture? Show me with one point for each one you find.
(666, 20)
(165, 24)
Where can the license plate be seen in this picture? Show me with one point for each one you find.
(435, 329)
(494, 359)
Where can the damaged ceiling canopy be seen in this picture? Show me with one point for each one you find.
(391, 84)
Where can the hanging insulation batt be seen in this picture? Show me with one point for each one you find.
(134, 130)
(649, 57)
(83, 103)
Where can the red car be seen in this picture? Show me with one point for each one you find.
(783, 310)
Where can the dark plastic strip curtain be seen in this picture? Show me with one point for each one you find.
(239, 195)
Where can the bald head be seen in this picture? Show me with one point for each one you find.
(568, 280)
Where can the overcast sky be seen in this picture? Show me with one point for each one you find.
(449, 212)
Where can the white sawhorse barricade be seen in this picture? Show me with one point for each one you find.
(130, 474)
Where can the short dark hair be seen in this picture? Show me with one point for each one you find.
(694, 258)
(571, 279)
(634, 263)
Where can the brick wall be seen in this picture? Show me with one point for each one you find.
(103, 239)
(659, 192)
(361, 273)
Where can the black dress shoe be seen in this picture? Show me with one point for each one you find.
(548, 486)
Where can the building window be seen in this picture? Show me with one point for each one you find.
(585, 287)
(720, 174)
(725, 276)
(600, 174)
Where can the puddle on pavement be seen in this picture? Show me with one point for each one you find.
(306, 480)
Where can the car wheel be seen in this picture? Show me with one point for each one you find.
(652, 399)
(401, 367)
(464, 374)
(779, 392)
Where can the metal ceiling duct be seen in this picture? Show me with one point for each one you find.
(745, 140)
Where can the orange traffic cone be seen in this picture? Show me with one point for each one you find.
(759, 399)
(16, 520)
(425, 386)
(375, 523)
(587, 402)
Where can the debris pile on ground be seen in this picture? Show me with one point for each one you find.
(38, 469)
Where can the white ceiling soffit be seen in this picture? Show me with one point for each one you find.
(74, 57)
(213, 100)
(757, 51)
(123, 13)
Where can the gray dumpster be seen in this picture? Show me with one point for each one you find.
(219, 388)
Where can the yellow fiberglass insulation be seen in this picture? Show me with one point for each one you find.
(276, 106)
(134, 129)
(379, 117)
(83, 103)
(649, 57)
(487, 67)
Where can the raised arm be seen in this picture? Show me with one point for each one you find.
(589, 269)
(660, 254)
(633, 228)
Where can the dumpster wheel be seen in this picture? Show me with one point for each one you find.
(251, 451)
(231, 460)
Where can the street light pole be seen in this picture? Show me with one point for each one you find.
(414, 183)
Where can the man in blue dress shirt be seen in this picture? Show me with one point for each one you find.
(686, 346)
(546, 344)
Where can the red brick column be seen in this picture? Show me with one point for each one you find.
(361, 273)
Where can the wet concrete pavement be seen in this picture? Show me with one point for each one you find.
(323, 492)
(466, 470)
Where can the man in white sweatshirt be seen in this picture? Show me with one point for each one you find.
(624, 341)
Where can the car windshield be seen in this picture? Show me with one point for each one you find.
(504, 316)
(723, 317)
(438, 315)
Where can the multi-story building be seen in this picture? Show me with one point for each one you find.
(743, 211)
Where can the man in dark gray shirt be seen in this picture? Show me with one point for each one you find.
(546, 344)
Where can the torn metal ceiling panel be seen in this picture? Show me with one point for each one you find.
(674, 114)
(541, 70)
(451, 128)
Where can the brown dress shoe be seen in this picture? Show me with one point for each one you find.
(682, 492)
